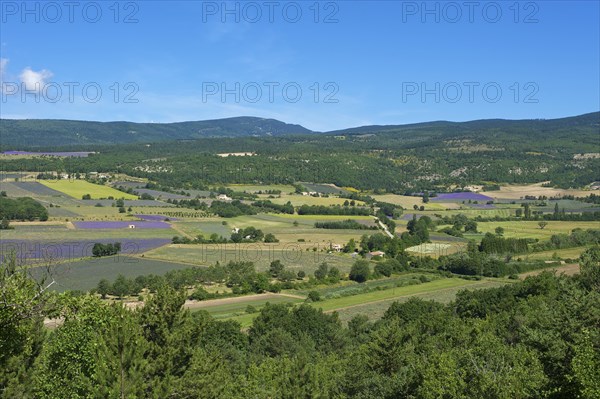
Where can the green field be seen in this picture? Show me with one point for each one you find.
(531, 229)
(235, 307)
(78, 188)
(567, 253)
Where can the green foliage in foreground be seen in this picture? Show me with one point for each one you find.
(532, 339)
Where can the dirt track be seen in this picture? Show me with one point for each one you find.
(569, 270)
(217, 302)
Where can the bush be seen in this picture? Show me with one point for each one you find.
(314, 296)
(251, 309)
(360, 271)
(383, 269)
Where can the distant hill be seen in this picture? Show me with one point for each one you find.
(591, 120)
(47, 133)
(28, 133)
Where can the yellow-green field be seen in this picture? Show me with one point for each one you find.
(404, 201)
(298, 199)
(78, 188)
(531, 229)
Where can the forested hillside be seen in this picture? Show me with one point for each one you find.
(42, 133)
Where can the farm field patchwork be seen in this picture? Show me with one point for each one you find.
(78, 188)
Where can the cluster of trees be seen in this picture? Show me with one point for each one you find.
(577, 238)
(349, 224)
(231, 209)
(494, 244)
(333, 210)
(531, 339)
(24, 208)
(252, 234)
(109, 249)
(459, 224)
(245, 235)
(268, 206)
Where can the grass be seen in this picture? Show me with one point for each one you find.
(238, 308)
(531, 229)
(78, 188)
(568, 253)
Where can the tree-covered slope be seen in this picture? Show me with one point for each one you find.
(31, 133)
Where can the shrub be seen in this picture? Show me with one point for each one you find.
(314, 296)
(360, 271)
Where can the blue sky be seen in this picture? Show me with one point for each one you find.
(325, 65)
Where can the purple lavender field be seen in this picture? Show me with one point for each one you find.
(155, 218)
(80, 154)
(461, 197)
(122, 225)
(28, 250)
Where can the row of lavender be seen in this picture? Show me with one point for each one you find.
(28, 250)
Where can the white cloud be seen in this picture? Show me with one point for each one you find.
(35, 81)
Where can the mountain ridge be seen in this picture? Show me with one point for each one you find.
(37, 133)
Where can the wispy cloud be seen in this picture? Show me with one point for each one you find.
(35, 80)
